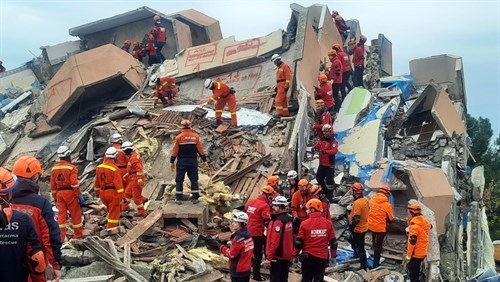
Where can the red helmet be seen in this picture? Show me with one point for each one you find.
(126, 42)
(136, 43)
(315, 204)
(273, 180)
(338, 18)
(156, 18)
(357, 188)
(315, 189)
(151, 37)
(27, 167)
(332, 52)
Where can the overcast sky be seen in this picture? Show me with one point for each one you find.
(470, 29)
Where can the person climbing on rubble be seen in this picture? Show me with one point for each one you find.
(20, 248)
(283, 78)
(324, 92)
(121, 160)
(279, 244)
(274, 181)
(2, 68)
(323, 117)
(316, 234)
(358, 223)
(151, 51)
(327, 146)
(165, 87)
(418, 241)
(108, 186)
(136, 180)
(138, 52)
(336, 77)
(126, 46)
(299, 201)
(240, 249)
(379, 216)
(160, 37)
(358, 60)
(66, 193)
(258, 212)
(186, 149)
(222, 94)
(26, 199)
(292, 181)
(341, 27)
(318, 194)
(346, 86)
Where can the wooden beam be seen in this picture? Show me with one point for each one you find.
(242, 172)
(222, 168)
(126, 254)
(140, 228)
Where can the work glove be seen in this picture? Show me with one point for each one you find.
(125, 176)
(81, 199)
(337, 72)
(172, 166)
(303, 257)
(407, 259)
(294, 219)
(204, 165)
(286, 88)
(203, 105)
(349, 207)
(140, 182)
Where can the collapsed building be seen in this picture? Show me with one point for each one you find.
(407, 131)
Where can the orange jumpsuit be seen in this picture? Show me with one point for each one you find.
(121, 162)
(108, 186)
(135, 184)
(283, 77)
(65, 190)
(167, 89)
(221, 95)
(299, 202)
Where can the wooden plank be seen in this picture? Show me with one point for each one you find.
(223, 168)
(101, 278)
(188, 223)
(241, 172)
(235, 165)
(126, 254)
(236, 135)
(184, 253)
(211, 276)
(238, 184)
(245, 163)
(140, 228)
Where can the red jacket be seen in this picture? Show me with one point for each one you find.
(344, 59)
(167, 84)
(240, 253)
(317, 233)
(160, 33)
(335, 68)
(135, 168)
(151, 49)
(279, 242)
(324, 118)
(325, 93)
(328, 147)
(138, 53)
(258, 212)
(358, 56)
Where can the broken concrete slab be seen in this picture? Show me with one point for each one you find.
(357, 100)
(96, 268)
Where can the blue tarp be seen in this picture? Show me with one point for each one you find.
(403, 82)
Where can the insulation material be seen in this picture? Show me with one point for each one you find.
(216, 260)
(353, 104)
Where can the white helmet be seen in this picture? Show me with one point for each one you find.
(240, 217)
(116, 138)
(280, 200)
(208, 83)
(111, 153)
(292, 174)
(63, 151)
(127, 145)
(326, 128)
(275, 57)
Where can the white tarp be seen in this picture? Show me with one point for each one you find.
(246, 117)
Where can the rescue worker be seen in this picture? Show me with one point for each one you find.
(341, 27)
(346, 70)
(135, 173)
(336, 76)
(358, 223)
(165, 87)
(108, 186)
(274, 182)
(379, 216)
(350, 46)
(279, 244)
(327, 147)
(283, 78)
(186, 149)
(240, 250)
(325, 93)
(138, 52)
(315, 235)
(126, 46)
(20, 249)
(318, 194)
(323, 117)
(221, 95)
(121, 160)
(66, 193)
(358, 60)
(2, 68)
(258, 212)
(418, 241)
(26, 199)
(160, 37)
(151, 51)
(292, 182)
(299, 201)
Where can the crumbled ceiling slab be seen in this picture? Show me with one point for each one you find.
(246, 117)
(353, 104)
(88, 70)
(23, 78)
(60, 52)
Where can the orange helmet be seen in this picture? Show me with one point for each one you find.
(323, 78)
(273, 180)
(7, 181)
(303, 183)
(185, 124)
(337, 47)
(315, 189)
(156, 18)
(126, 42)
(332, 52)
(315, 204)
(151, 36)
(414, 208)
(268, 190)
(385, 189)
(338, 18)
(357, 188)
(320, 103)
(27, 167)
(136, 43)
